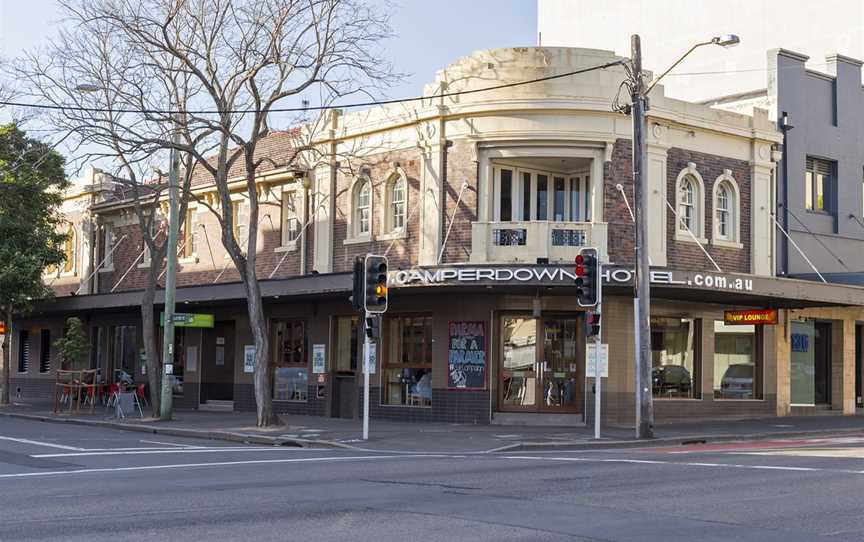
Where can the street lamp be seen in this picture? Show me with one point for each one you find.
(642, 299)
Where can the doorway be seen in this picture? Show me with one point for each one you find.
(822, 363)
(541, 363)
(347, 349)
(217, 363)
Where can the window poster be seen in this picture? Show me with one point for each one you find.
(466, 360)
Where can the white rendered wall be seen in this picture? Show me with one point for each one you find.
(669, 27)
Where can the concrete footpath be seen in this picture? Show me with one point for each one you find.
(394, 436)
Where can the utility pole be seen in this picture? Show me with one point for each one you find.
(165, 404)
(644, 404)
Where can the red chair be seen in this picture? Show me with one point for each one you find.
(142, 397)
(113, 390)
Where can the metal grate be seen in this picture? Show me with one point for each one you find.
(509, 237)
(568, 238)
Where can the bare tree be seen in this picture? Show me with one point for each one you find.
(224, 69)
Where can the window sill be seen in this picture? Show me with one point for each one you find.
(143, 265)
(730, 400)
(67, 275)
(290, 400)
(687, 239)
(290, 247)
(386, 405)
(358, 240)
(665, 399)
(394, 235)
(188, 260)
(726, 244)
(818, 212)
(107, 269)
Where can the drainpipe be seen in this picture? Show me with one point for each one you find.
(785, 127)
(306, 183)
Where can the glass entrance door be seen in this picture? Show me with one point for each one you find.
(559, 366)
(541, 375)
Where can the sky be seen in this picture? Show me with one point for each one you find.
(430, 35)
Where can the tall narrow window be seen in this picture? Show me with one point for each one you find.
(559, 199)
(397, 203)
(190, 225)
(240, 222)
(290, 222)
(506, 198)
(107, 246)
(45, 351)
(723, 212)
(542, 197)
(290, 371)
(686, 211)
(23, 351)
(575, 199)
(819, 182)
(363, 208)
(69, 250)
(526, 196)
(587, 198)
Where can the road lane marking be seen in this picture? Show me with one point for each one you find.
(40, 443)
(686, 464)
(171, 444)
(215, 464)
(151, 451)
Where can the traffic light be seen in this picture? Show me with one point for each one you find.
(373, 327)
(587, 278)
(375, 300)
(592, 324)
(357, 291)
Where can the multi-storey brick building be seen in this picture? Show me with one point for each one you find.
(481, 201)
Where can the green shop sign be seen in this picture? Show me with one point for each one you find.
(188, 319)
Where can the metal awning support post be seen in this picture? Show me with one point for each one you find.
(699, 244)
(801, 252)
(98, 267)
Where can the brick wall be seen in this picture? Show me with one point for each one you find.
(685, 254)
(461, 168)
(622, 240)
(403, 253)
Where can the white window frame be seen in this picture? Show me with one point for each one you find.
(354, 234)
(292, 195)
(698, 229)
(190, 221)
(733, 237)
(581, 180)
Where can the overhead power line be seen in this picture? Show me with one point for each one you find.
(319, 107)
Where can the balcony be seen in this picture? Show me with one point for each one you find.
(508, 242)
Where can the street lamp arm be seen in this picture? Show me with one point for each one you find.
(672, 67)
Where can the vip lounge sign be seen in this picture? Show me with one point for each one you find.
(559, 276)
(750, 317)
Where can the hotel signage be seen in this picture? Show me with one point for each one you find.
(560, 276)
(750, 317)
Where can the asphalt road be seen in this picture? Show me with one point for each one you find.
(61, 482)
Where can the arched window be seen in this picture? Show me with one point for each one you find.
(723, 212)
(363, 208)
(69, 250)
(689, 205)
(686, 205)
(396, 198)
(726, 209)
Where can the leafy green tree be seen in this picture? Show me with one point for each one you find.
(74, 346)
(31, 192)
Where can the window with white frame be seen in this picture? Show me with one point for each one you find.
(689, 206)
(108, 246)
(726, 208)
(240, 222)
(290, 218)
(397, 195)
(188, 249)
(70, 250)
(531, 195)
(363, 208)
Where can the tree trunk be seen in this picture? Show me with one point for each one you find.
(258, 324)
(7, 359)
(151, 348)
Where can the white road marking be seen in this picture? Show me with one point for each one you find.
(685, 464)
(203, 465)
(850, 453)
(171, 444)
(150, 451)
(39, 443)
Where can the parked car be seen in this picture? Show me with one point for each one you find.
(671, 380)
(737, 382)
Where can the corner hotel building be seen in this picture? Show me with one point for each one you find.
(481, 202)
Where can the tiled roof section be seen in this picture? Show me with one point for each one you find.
(277, 148)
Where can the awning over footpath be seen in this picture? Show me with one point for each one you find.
(695, 286)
